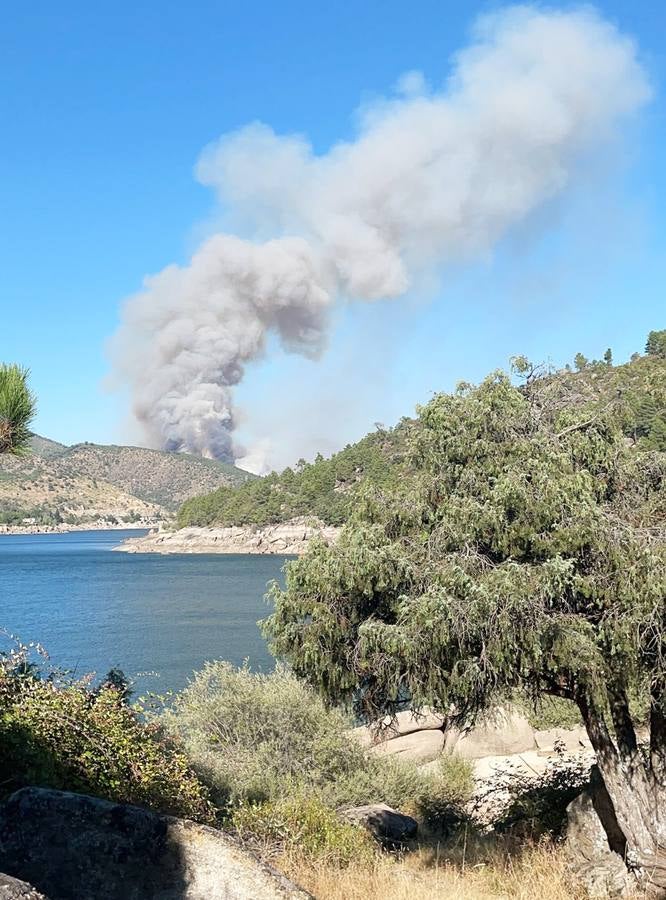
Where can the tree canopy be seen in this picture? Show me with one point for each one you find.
(323, 488)
(17, 409)
(656, 344)
(526, 551)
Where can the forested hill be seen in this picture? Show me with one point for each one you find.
(325, 487)
(322, 488)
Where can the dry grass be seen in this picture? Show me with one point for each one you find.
(537, 873)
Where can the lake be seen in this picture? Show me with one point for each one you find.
(93, 609)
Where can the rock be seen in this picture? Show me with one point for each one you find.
(506, 733)
(386, 825)
(420, 746)
(289, 538)
(525, 764)
(405, 722)
(13, 889)
(573, 739)
(595, 859)
(72, 846)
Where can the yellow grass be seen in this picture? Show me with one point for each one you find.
(537, 873)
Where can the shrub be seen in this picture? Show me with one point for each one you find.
(549, 712)
(67, 737)
(259, 738)
(305, 825)
(256, 736)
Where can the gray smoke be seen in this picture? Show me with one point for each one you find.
(433, 177)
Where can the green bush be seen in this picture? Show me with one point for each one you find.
(305, 825)
(69, 737)
(259, 739)
(549, 712)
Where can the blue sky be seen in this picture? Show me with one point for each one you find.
(106, 109)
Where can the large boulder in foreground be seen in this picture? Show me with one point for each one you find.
(595, 845)
(388, 826)
(73, 847)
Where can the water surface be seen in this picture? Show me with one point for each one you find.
(93, 609)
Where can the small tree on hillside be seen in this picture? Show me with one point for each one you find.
(608, 357)
(17, 409)
(656, 344)
(527, 553)
(580, 362)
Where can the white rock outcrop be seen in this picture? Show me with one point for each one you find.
(288, 538)
(506, 733)
(419, 746)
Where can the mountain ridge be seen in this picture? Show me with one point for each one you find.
(86, 482)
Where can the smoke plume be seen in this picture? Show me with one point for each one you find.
(432, 177)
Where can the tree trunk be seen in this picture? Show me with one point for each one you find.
(637, 797)
(658, 738)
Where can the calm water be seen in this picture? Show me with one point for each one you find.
(92, 608)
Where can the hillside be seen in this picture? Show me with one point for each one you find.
(325, 488)
(91, 482)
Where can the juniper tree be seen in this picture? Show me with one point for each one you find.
(527, 552)
(17, 409)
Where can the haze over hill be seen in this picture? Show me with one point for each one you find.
(92, 482)
(326, 488)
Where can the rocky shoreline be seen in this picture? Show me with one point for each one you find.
(288, 538)
(62, 528)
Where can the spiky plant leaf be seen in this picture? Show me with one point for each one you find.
(17, 409)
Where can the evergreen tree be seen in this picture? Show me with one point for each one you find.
(526, 552)
(646, 412)
(656, 344)
(657, 436)
(608, 357)
(580, 362)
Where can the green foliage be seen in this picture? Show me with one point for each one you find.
(324, 488)
(259, 739)
(549, 712)
(518, 556)
(303, 824)
(17, 409)
(116, 680)
(580, 362)
(71, 738)
(656, 344)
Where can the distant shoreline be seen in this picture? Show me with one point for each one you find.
(65, 529)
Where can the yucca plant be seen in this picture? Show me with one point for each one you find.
(17, 409)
